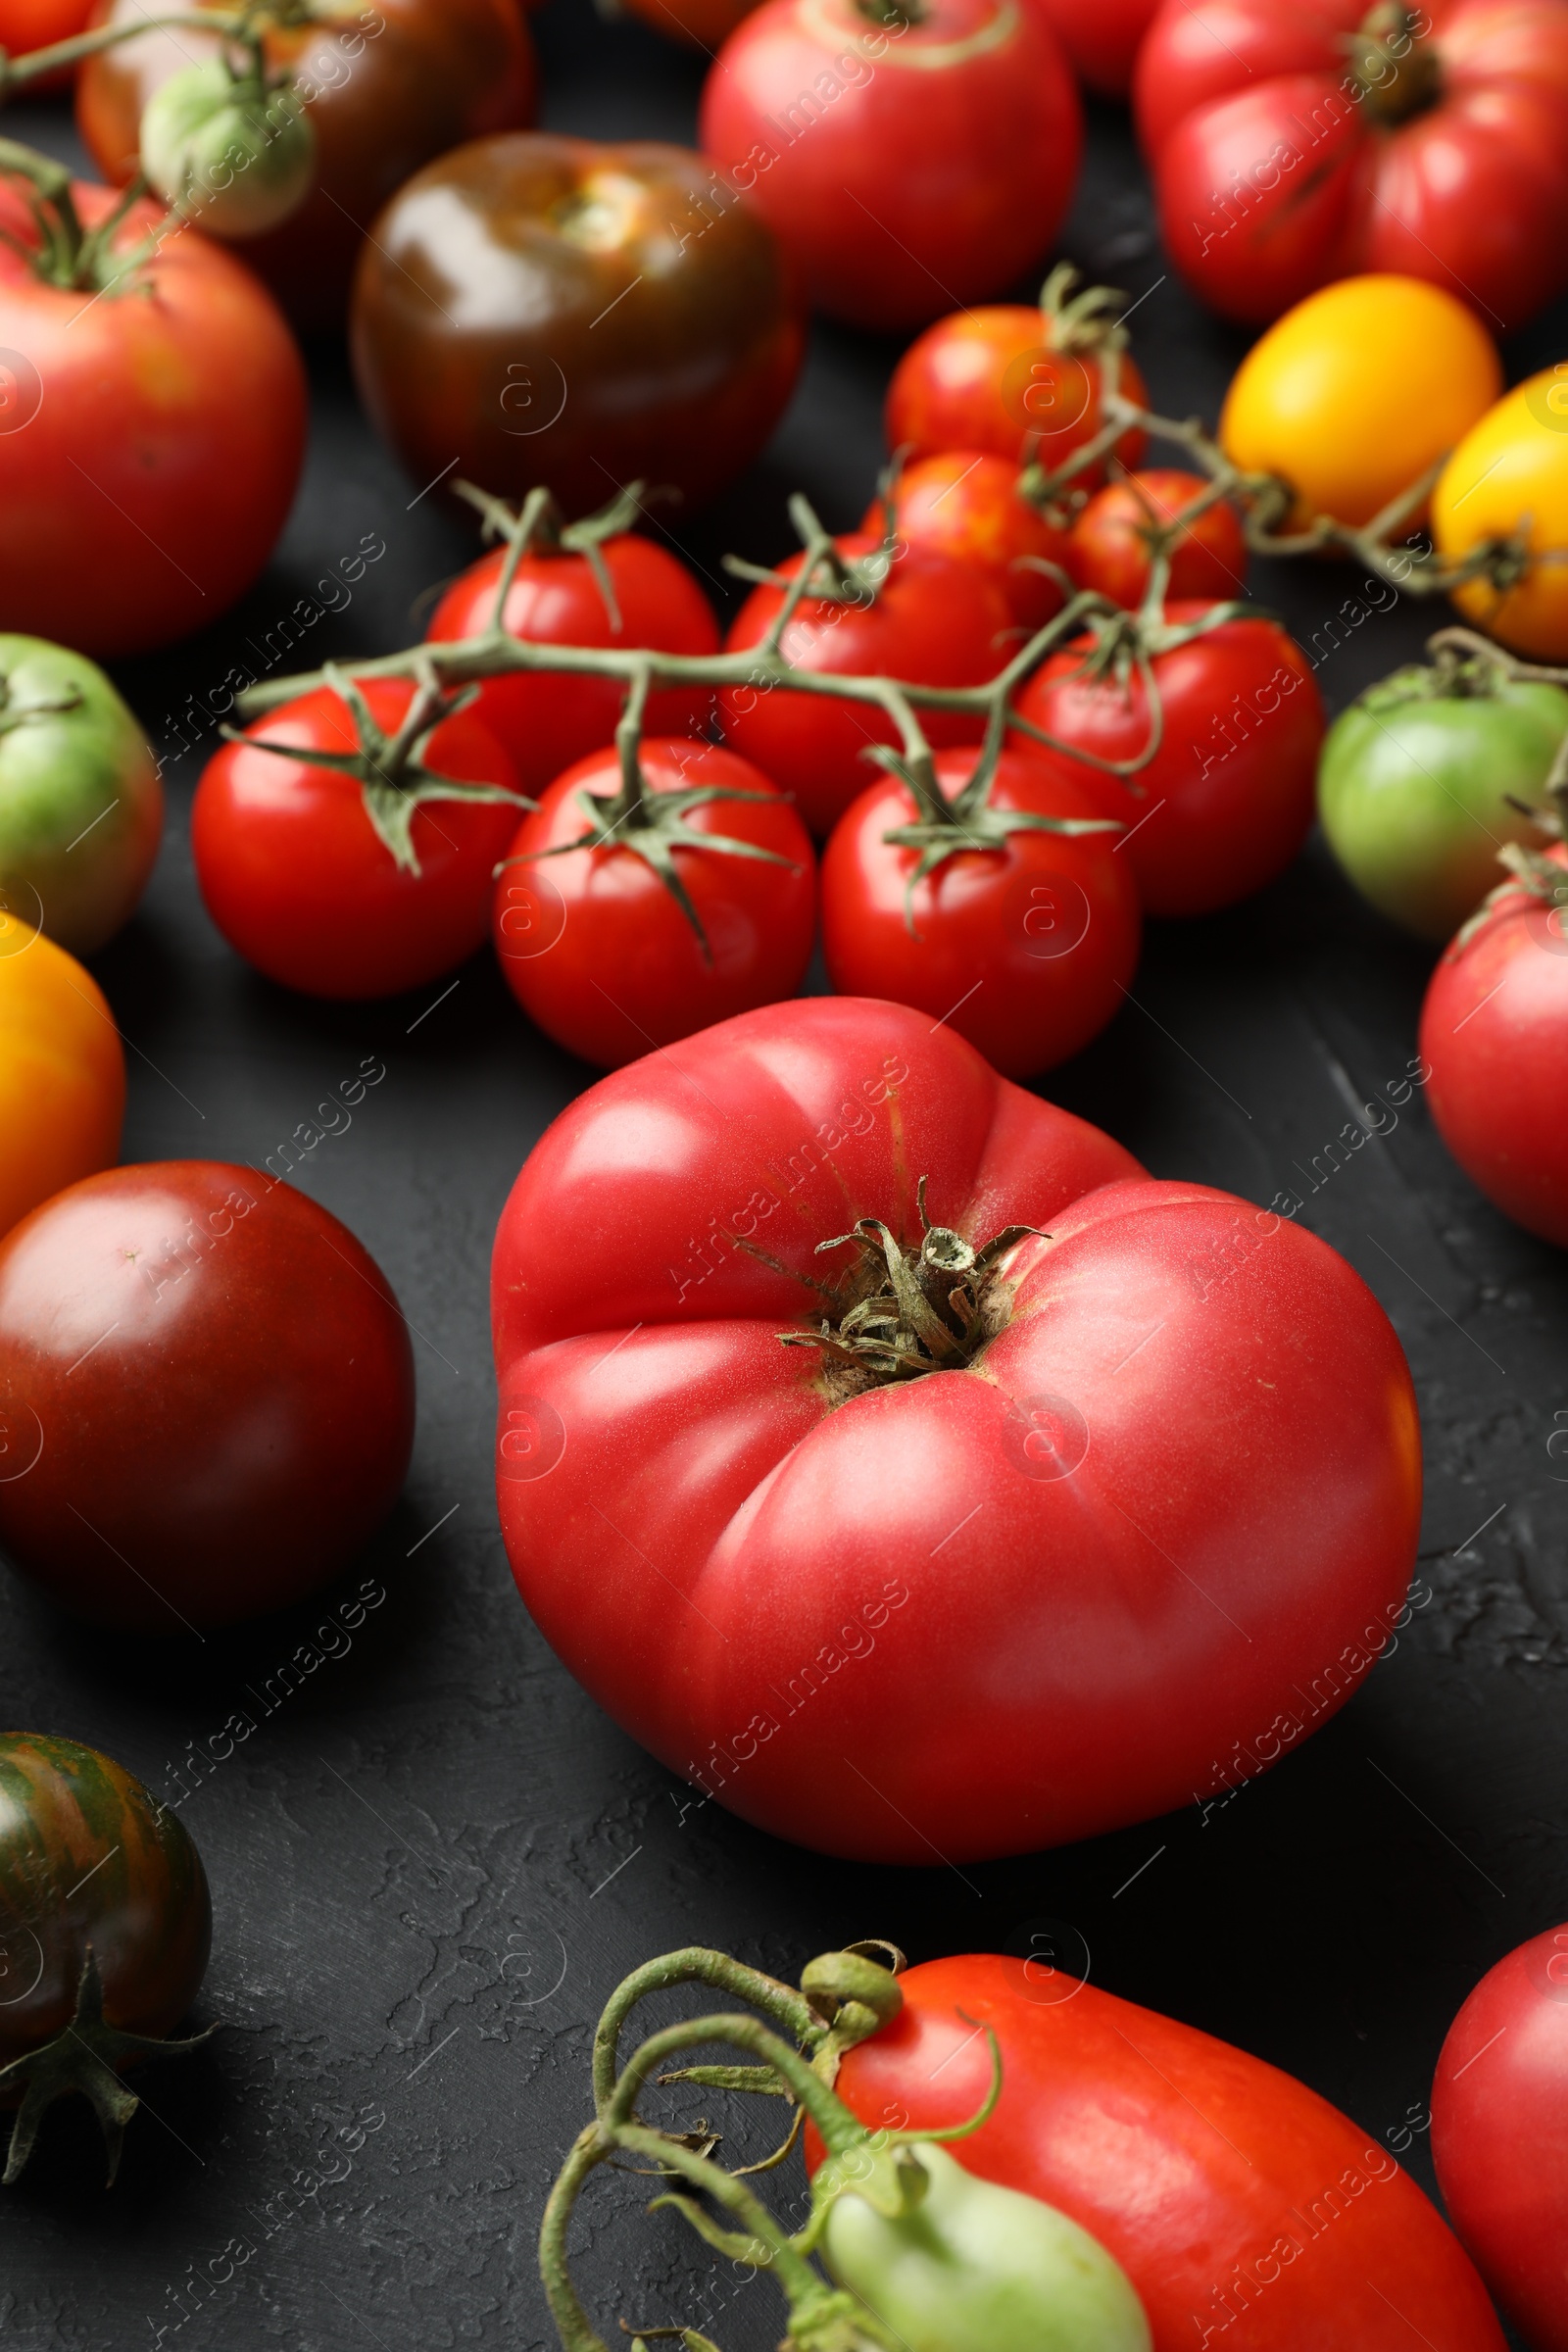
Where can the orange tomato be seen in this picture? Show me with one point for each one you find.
(1508, 475)
(62, 1071)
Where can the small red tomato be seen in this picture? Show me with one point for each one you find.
(361, 879)
(1226, 801)
(966, 505)
(1499, 2134)
(547, 719)
(1494, 1031)
(932, 621)
(219, 1386)
(27, 25)
(1023, 383)
(905, 160)
(1026, 947)
(609, 957)
(1111, 547)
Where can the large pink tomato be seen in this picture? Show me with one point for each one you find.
(907, 161)
(906, 1468)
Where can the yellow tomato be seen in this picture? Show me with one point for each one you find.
(1511, 475)
(1355, 393)
(62, 1072)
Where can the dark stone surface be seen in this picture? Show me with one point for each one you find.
(431, 1863)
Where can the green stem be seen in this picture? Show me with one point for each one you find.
(839, 2128)
(788, 2009)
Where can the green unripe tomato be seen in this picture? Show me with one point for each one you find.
(974, 2267)
(235, 157)
(1413, 782)
(82, 809)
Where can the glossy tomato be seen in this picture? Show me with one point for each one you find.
(1111, 547)
(1357, 392)
(38, 24)
(1022, 384)
(1297, 142)
(933, 622)
(595, 945)
(152, 428)
(966, 506)
(1226, 801)
(341, 883)
(1102, 38)
(217, 1386)
(547, 719)
(1495, 1029)
(906, 161)
(1426, 776)
(97, 1883)
(387, 86)
(62, 1074)
(888, 1610)
(1509, 479)
(549, 310)
(81, 806)
(1245, 2209)
(1028, 948)
(1499, 2134)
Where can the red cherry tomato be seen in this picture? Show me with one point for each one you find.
(1109, 546)
(597, 949)
(1245, 2210)
(1101, 39)
(1499, 2134)
(965, 505)
(38, 24)
(933, 622)
(1226, 801)
(1289, 148)
(150, 439)
(1010, 380)
(298, 879)
(547, 719)
(1027, 949)
(220, 1387)
(764, 1560)
(1494, 1030)
(905, 165)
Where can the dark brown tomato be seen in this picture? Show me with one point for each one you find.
(540, 310)
(390, 87)
(88, 1859)
(211, 1387)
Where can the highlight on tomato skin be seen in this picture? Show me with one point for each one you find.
(777, 1454)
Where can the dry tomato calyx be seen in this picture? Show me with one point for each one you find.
(1081, 321)
(84, 2056)
(909, 1313)
(393, 778)
(538, 528)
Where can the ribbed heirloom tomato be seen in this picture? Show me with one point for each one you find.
(900, 1464)
(1296, 141)
(931, 620)
(1249, 2213)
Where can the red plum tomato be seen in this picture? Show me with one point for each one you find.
(547, 719)
(1494, 1033)
(1238, 2201)
(151, 434)
(1226, 801)
(1293, 142)
(905, 165)
(1109, 546)
(597, 949)
(965, 505)
(215, 1385)
(1007, 379)
(934, 622)
(1499, 2134)
(1161, 1498)
(1028, 950)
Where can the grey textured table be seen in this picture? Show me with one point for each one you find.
(431, 1862)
